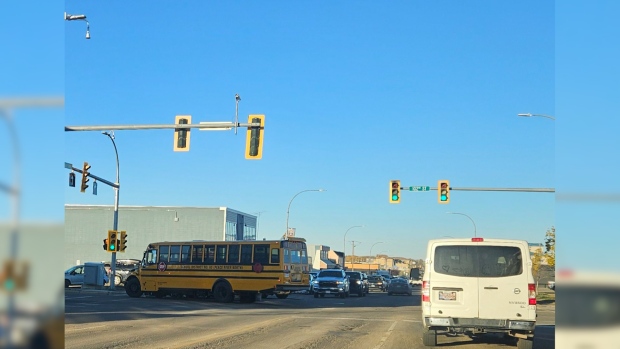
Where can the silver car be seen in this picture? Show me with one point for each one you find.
(74, 276)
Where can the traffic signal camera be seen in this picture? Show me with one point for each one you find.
(85, 177)
(181, 135)
(254, 138)
(443, 191)
(112, 241)
(394, 192)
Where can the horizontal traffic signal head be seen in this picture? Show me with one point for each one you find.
(443, 191)
(394, 191)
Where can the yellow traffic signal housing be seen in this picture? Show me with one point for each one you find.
(122, 244)
(254, 138)
(181, 135)
(85, 177)
(443, 191)
(112, 241)
(395, 191)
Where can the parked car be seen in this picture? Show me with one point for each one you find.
(358, 283)
(474, 286)
(399, 286)
(375, 282)
(74, 276)
(312, 277)
(124, 267)
(331, 281)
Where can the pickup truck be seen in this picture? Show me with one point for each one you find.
(331, 281)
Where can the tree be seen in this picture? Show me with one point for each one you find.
(537, 259)
(550, 247)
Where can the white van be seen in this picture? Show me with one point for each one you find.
(475, 286)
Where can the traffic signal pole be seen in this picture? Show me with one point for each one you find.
(117, 187)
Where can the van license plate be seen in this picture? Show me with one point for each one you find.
(447, 296)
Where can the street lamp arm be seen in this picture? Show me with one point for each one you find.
(288, 209)
(472, 221)
(527, 115)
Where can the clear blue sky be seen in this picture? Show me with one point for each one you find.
(354, 94)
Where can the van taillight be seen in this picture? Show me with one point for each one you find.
(477, 239)
(426, 291)
(531, 288)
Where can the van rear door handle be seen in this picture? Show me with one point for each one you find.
(491, 288)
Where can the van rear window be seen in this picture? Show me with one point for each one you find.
(478, 261)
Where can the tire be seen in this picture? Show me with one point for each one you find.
(389, 293)
(322, 295)
(316, 295)
(282, 296)
(133, 289)
(264, 295)
(361, 293)
(343, 295)
(160, 294)
(364, 294)
(117, 280)
(525, 344)
(429, 338)
(223, 293)
(67, 283)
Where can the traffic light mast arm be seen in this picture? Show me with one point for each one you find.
(205, 125)
(535, 190)
(114, 185)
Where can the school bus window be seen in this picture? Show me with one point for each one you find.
(261, 254)
(151, 257)
(304, 258)
(163, 253)
(233, 254)
(185, 253)
(210, 254)
(221, 254)
(246, 254)
(295, 257)
(287, 256)
(197, 253)
(275, 255)
(175, 252)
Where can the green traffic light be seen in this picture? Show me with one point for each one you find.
(394, 197)
(444, 198)
(112, 247)
(9, 285)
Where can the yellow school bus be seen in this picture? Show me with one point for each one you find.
(222, 269)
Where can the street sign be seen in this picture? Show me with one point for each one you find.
(419, 188)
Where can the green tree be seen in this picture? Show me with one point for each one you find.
(550, 247)
(537, 260)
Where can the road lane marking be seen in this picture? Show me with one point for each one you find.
(387, 334)
(82, 328)
(341, 318)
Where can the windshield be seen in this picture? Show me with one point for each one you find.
(355, 276)
(335, 274)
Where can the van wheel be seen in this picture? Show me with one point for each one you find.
(525, 344)
(316, 295)
(223, 293)
(429, 338)
(133, 289)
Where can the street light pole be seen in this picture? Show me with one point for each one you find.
(472, 221)
(344, 242)
(115, 225)
(69, 17)
(527, 115)
(289, 206)
(373, 245)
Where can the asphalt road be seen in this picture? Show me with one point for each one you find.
(101, 319)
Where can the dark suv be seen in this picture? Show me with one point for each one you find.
(358, 283)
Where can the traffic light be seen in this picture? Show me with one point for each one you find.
(254, 138)
(121, 244)
(395, 191)
(105, 244)
(85, 177)
(112, 241)
(443, 191)
(14, 276)
(181, 135)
